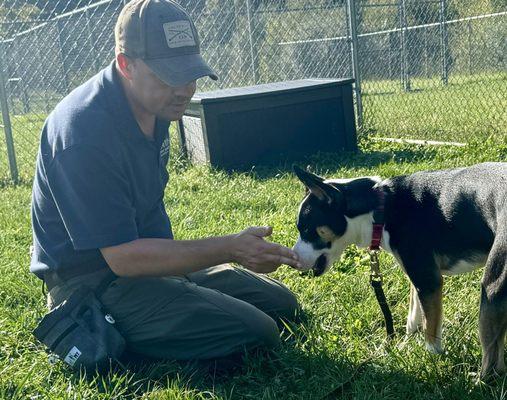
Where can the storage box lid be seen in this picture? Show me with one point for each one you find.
(266, 89)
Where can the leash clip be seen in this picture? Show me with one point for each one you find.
(375, 274)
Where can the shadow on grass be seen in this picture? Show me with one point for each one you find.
(300, 369)
(394, 92)
(328, 163)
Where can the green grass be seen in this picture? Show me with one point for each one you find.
(339, 352)
(467, 108)
(26, 130)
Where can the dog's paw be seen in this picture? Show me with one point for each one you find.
(491, 372)
(434, 348)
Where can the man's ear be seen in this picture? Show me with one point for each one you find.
(125, 65)
(316, 185)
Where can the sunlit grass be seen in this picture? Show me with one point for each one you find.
(343, 340)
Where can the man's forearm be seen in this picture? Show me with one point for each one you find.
(165, 257)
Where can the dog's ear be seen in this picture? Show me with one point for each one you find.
(316, 185)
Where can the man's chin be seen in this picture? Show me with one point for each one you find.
(171, 114)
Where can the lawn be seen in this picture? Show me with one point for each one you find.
(340, 351)
(470, 106)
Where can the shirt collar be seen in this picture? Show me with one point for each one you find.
(118, 104)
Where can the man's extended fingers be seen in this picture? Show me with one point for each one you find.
(279, 259)
(291, 261)
(277, 249)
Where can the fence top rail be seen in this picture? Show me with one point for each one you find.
(334, 38)
(80, 10)
(395, 4)
(408, 28)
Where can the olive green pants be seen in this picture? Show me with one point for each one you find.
(209, 314)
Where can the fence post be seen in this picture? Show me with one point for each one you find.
(405, 77)
(444, 41)
(354, 49)
(253, 54)
(11, 154)
(426, 71)
(470, 47)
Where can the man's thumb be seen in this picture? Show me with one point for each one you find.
(261, 231)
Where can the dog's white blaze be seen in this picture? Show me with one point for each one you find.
(307, 254)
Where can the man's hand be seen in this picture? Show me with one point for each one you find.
(251, 251)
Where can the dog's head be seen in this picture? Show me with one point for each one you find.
(321, 222)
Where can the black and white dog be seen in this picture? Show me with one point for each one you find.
(435, 223)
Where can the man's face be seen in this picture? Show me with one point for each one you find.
(156, 97)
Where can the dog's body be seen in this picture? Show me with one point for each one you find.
(436, 223)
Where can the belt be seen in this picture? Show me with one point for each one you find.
(58, 278)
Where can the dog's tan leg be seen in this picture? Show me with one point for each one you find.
(414, 318)
(431, 304)
(426, 279)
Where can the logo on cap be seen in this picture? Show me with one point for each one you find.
(179, 34)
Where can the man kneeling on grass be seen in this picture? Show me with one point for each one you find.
(98, 206)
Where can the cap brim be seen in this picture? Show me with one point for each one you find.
(178, 71)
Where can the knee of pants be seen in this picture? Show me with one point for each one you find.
(266, 331)
(287, 305)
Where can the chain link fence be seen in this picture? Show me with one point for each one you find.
(430, 69)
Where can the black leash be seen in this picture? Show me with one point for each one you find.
(376, 277)
(376, 280)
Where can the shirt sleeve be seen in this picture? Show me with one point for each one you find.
(93, 197)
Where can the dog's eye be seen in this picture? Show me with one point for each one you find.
(328, 244)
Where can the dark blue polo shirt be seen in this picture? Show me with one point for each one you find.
(99, 181)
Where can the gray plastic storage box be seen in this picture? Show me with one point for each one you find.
(241, 127)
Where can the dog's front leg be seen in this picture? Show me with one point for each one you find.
(414, 318)
(427, 281)
(493, 315)
(431, 304)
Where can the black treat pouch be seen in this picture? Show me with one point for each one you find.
(81, 333)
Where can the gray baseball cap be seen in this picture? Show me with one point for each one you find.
(163, 35)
